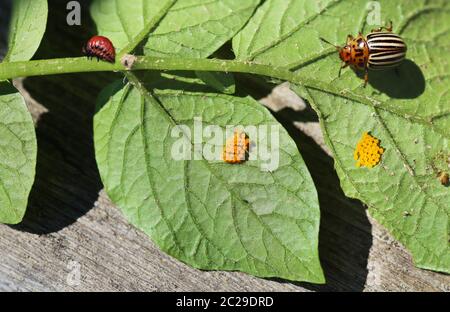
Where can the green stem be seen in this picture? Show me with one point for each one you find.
(80, 64)
(76, 65)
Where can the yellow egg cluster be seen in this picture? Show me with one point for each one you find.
(236, 148)
(368, 152)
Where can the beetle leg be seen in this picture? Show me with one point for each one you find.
(366, 76)
(340, 69)
(388, 28)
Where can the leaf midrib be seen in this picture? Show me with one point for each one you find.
(149, 177)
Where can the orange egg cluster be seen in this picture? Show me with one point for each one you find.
(236, 148)
(368, 152)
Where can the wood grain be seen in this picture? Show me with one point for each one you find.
(70, 221)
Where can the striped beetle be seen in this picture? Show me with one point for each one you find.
(378, 50)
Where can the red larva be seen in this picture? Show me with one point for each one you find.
(101, 48)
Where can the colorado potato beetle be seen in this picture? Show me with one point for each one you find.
(378, 50)
(101, 48)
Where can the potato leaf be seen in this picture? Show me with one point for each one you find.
(407, 108)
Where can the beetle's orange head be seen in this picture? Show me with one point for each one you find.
(345, 53)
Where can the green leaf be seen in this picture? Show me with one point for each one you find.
(193, 28)
(408, 109)
(207, 213)
(197, 28)
(17, 136)
(28, 21)
(17, 154)
(126, 23)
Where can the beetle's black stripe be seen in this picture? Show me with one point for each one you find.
(381, 49)
(385, 50)
(386, 55)
(383, 40)
(382, 34)
(385, 59)
(382, 66)
(386, 37)
(388, 43)
(382, 58)
(392, 49)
